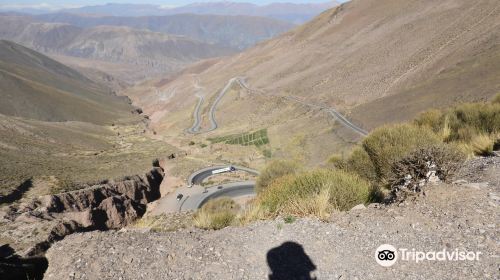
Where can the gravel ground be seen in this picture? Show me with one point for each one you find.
(462, 216)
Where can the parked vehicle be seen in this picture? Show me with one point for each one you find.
(224, 170)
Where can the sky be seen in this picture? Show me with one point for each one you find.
(57, 4)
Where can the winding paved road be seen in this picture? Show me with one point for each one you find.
(196, 115)
(195, 129)
(197, 177)
(233, 190)
(341, 118)
(194, 197)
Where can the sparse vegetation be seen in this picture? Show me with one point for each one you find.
(216, 214)
(316, 193)
(257, 138)
(275, 170)
(474, 126)
(67, 152)
(444, 137)
(165, 223)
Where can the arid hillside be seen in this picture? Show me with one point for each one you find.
(37, 87)
(375, 61)
(127, 53)
(58, 128)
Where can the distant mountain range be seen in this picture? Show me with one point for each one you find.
(290, 12)
(136, 48)
(141, 53)
(236, 32)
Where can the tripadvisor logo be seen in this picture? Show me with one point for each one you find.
(387, 255)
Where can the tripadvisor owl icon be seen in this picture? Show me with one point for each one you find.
(386, 255)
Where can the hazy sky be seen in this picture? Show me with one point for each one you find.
(77, 3)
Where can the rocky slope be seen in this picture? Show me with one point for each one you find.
(31, 227)
(463, 216)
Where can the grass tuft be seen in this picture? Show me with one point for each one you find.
(315, 193)
(482, 145)
(274, 170)
(216, 214)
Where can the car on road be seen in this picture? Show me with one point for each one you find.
(219, 187)
(223, 170)
(180, 196)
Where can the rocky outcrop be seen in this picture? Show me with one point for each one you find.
(34, 226)
(140, 189)
(116, 212)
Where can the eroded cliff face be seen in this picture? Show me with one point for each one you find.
(31, 228)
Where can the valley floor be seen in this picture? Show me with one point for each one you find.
(463, 215)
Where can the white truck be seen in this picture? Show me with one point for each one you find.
(224, 170)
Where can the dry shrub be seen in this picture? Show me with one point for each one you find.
(482, 145)
(389, 144)
(412, 172)
(216, 214)
(314, 193)
(274, 170)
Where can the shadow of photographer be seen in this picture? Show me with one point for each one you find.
(289, 261)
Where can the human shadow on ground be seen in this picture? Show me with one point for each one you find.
(289, 261)
(13, 267)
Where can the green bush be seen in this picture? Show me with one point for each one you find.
(359, 162)
(216, 214)
(389, 144)
(273, 171)
(314, 193)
